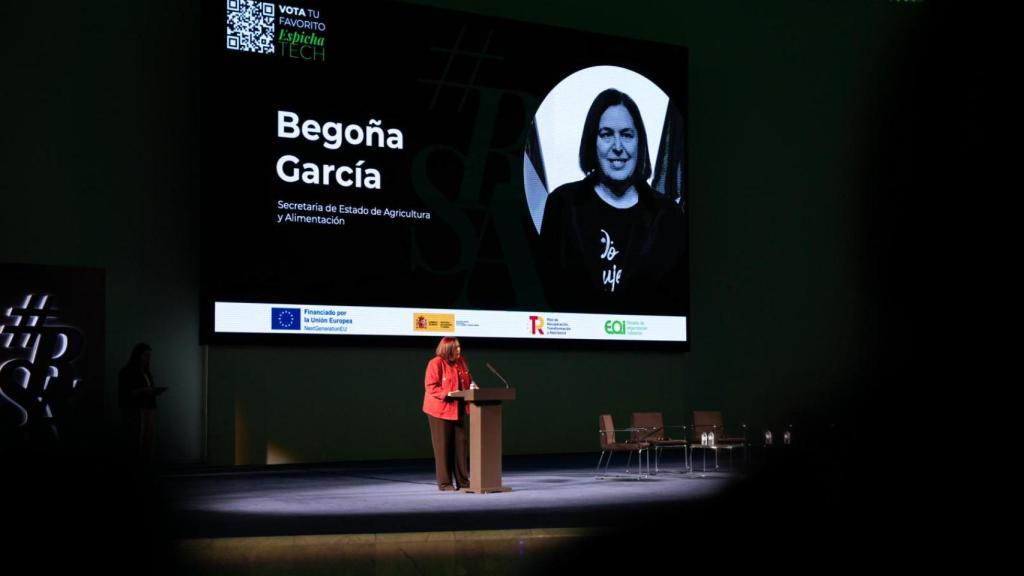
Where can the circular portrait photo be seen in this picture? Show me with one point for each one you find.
(604, 180)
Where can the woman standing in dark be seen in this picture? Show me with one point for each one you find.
(137, 400)
(448, 372)
(611, 243)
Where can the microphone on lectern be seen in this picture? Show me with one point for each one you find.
(491, 368)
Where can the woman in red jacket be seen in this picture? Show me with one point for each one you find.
(448, 372)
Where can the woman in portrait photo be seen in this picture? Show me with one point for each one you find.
(609, 242)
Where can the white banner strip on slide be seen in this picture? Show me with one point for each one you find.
(253, 318)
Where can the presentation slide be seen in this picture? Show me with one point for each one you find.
(393, 171)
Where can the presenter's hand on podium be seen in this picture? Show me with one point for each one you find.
(473, 386)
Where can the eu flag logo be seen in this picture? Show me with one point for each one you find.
(285, 319)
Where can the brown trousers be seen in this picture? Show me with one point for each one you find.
(449, 438)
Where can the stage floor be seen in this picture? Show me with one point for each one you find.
(390, 518)
(546, 492)
(378, 518)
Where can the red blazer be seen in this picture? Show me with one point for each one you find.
(442, 378)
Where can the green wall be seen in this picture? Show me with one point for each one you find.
(100, 159)
(100, 169)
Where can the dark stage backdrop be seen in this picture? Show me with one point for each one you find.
(815, 159)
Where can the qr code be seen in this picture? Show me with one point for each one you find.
(251, 26)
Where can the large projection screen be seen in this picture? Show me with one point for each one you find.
(391, 171)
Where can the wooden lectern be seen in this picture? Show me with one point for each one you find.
(485, 437)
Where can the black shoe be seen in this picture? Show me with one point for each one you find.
(447, 488)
